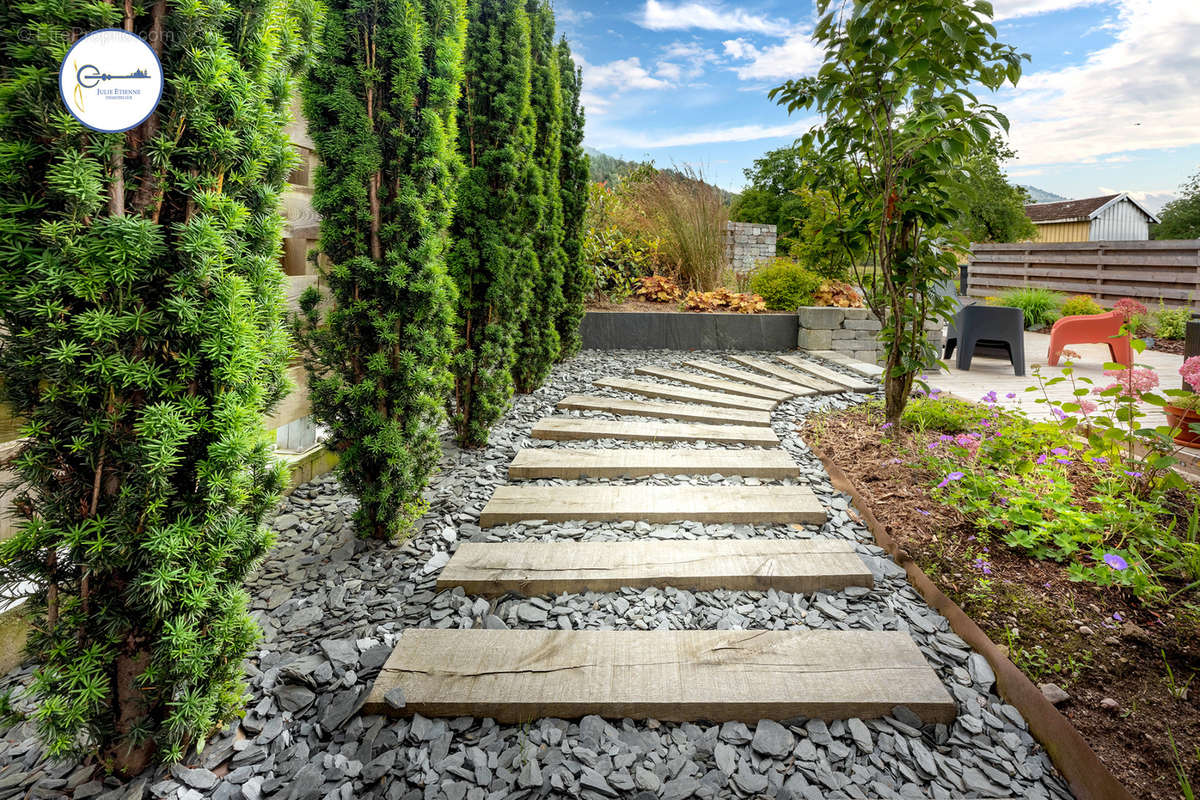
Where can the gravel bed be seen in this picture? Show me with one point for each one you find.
(332, 607)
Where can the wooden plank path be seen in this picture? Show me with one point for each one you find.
(561, 429)
(703, 382)
(732, 504)
(790, 375)
(852, 364)
(516, 676)
(685, 412)
(669, 392)
(833, 376)
(572, 464)
(538, 568)
(789, 388)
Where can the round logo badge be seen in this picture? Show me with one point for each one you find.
(111, 80)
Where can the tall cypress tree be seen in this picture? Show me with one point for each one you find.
(381, 104)
(142, 339)
(573, 186)
(492, 259)
(539, 345)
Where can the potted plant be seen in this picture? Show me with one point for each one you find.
(1183, 412)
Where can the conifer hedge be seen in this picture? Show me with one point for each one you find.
(573, 185)
(539, 347)
(142, 339)
(381, 103)
(492, 259)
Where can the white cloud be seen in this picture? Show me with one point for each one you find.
(659, 16)
(638, 140)
(627, 73)
(797, 55)
(684, 61)
(1138, 93)
(1007, 9)
(1153, 199)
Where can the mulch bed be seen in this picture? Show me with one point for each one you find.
(645, 306)
(1098, 644)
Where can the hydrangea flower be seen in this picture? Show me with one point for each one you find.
(1133, 382)
(1191, 372)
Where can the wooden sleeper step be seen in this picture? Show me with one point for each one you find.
(721, 504)
(539, 568)
(684, 412)
(685, 395)
(572, 463)
(577, 428)
(516, 676)
(715, 384)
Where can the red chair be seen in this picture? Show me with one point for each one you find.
(1091, 329)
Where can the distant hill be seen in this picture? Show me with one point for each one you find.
(606, 169)
(1042, 196)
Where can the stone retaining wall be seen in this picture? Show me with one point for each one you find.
(748, 245)
(853, 331)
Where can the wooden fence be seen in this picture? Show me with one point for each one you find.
(1147, 271)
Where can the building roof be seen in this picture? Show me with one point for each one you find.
(1079, 210)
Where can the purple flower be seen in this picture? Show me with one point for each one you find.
(1116, 562)
(971, 538)
(1060, 451)
(990, 397)
(1058, 412)
(1011, 395)
(983, 565)
(1100, 460)
(953, 476)
(1041, 459)
(885, 426)
(922, 511)
(1063, 460)
(1132, 474)
(1117, 616)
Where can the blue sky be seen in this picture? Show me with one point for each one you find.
(1110, 101)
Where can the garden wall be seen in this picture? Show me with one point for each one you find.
(633, 330)
(748, 245)
(851, 331)
(1146, 271)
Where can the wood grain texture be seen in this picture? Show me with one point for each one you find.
(562, 429)
(715, 384)
(685, 412)
(539, 568)
(685, 395)
(518, 676)
(818, 385)
(735, 504)
(572, 464)
(829, 375)
(789, 388)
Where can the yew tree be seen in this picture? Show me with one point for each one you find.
(492, 259)
(142, 339)
(381, 103)
(573, 186)
(896, 93)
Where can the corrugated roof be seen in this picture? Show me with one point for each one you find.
(1068, 210)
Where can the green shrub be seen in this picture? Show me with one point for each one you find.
(945, 415)
(538, 344)
(1080, 305)
(573, 182)
(1040, 305)
(491, 258)
(142, 339)
(1170, 323)
(785, 285)
(379, 360)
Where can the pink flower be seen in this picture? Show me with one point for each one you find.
(1128, 306)
(1132, 382)
(1191, 372)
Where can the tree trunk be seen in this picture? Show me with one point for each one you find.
(129, 758)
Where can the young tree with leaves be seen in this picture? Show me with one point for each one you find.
(573, 185)
(538, 345)
(492, 259)
(381, 104)
(142, 339)
(895, 92)
(1181, 217)
(992, 209)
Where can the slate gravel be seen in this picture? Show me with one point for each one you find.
(332, 608)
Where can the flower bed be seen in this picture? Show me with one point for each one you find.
(1060, 555)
